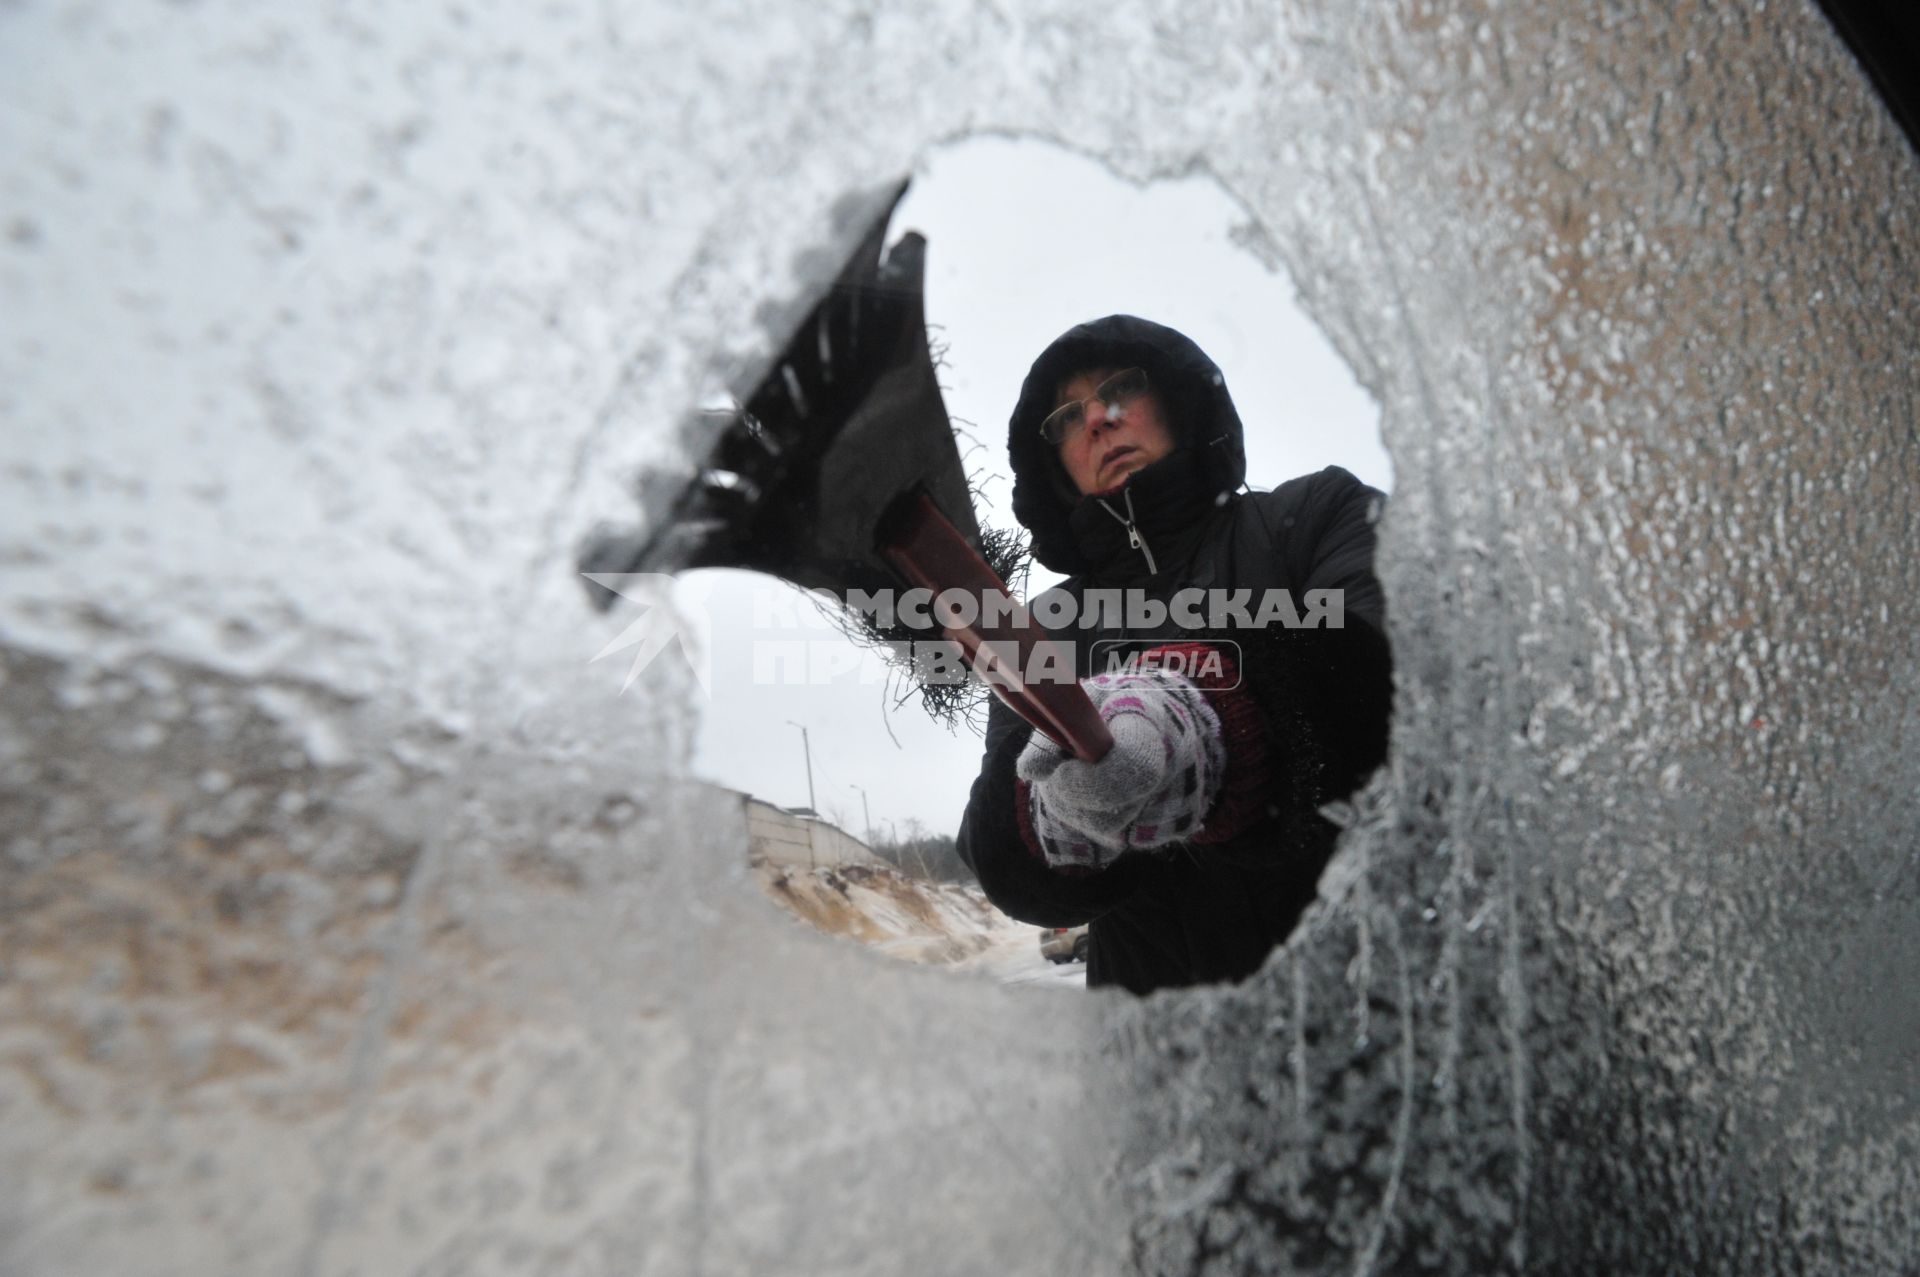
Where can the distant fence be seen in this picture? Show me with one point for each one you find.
(784, 838)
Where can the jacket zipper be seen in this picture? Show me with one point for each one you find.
(1134, 538)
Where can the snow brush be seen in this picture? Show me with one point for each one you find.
(838, 470)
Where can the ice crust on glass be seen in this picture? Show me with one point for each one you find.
(354, 923)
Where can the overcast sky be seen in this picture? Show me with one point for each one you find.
(1024, 241)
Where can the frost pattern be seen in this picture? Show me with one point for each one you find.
(353, 924)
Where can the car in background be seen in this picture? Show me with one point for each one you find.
(1064, 944)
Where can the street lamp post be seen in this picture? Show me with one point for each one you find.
(866, 815)
(806, 750)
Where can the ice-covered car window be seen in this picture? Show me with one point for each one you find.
(357, 920)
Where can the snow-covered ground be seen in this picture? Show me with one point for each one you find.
(1014, 958)
(933, 923)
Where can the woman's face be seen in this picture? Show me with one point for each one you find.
(1105, 450)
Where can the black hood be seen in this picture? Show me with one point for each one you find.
(1208, 444)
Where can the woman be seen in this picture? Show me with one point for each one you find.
(1194, 844)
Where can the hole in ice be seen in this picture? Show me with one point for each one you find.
(854, 795)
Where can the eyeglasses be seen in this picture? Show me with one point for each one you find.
(1117, 392)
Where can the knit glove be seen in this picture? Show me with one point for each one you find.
(1152, 788)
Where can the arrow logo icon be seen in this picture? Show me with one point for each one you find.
(658, 625)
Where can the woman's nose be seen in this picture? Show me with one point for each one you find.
(1099, 416)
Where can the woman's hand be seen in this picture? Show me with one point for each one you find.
(1153, 788)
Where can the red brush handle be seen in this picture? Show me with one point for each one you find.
(926, 549)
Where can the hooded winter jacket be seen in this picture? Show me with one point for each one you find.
(1194, 913)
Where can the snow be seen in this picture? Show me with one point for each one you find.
(938, 924)
(889, 911)
(354, 922)
(1014, 958)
